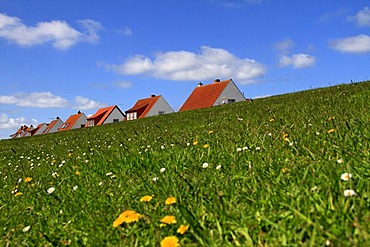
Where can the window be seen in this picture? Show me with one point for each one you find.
(160, 112)
(115, 120)
(64, 126)
(230, 101)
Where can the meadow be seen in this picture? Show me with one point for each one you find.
(287, 170)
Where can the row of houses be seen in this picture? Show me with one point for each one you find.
(203, 96)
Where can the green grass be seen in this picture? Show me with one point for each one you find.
(275, 193)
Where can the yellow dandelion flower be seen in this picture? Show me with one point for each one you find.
(170, 241)
(146, 198)
(18, 194)
(169, 219)
(77, 173)
(127, 216)
(70, 154)
(330, 131)
(210, 132)
(284, 170)
(170, 200)
(206, 146)
(272, 119)
(195, 142)
(182, 229)
(27, 179)
(330, 118)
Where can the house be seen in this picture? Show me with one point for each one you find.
(53, 126)
(154, 105)
(216, 93)
(111, 114)
(75, 121)
(39, 129)
(28, 131)
(20, 132)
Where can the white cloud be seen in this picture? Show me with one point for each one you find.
(56, 32)
(91, 28)
(362, 18)
(36, 100)
(284, 46)
(123, 84)
(125, 31)
(14, 123)
(82, 103)
(354, 44)
(298, 61)
(210, 63)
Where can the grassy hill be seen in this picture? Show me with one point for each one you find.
(261, 173)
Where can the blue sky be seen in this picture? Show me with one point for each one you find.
(58, 57)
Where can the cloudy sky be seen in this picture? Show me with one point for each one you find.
(58, 57)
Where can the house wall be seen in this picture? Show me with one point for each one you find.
(231, 91)
(160, 105)
(56, 126)
(41, 129)
(115, 114)
(81, 121)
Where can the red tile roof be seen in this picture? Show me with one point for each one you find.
(204, 96)
(70, 122)
(51, 125)
(19, 131)
(102, 114)
(143, 106)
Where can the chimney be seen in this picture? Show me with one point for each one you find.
(200, 84)
(217, 80)
(152, 96)
(79, 112)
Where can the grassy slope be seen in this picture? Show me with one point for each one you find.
(278, 192)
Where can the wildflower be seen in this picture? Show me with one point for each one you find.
(206, 146)
(346, 176)
(18, 193)
(340, 161)
(349, 193)
(218, 167)
(19, 180)
(182, 229)
(170, 200)
(205, 165)
(328, 243)
(269, 134)
(330, 118)
(100, 183)
(146, 198)
(54, 174)
(128, 216)
(239, 149)
(240, 119)
(169, 219)
(75, 187)
(195, 142)
(330, 131)
(108, 174)
(284, 170)
(27, 179)
(155, 179)
(26, 229)
(170, 241)
(77, 173)
(272, 120)
(244, 148)
(162, 169)
(258, 148)
(210, 132)
(50, 190)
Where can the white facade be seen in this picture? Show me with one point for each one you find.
(160, 107)
(56, 126)
(230, 94)
(41, 130)
(114, 116)
(81, 122)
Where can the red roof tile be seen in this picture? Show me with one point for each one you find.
(70, 121)
(143, 106)
(51, 125)
(101, 115)
(204, 96)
